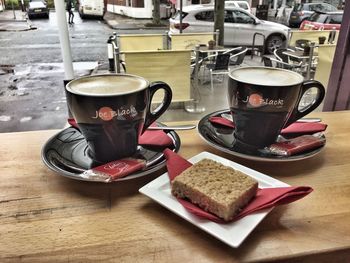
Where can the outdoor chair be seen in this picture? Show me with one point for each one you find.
(236, 59)
(232, 51)
(193, 67)
(275, 63)
(267, 61)
(285, 62)
(279, 55)
(219, 66)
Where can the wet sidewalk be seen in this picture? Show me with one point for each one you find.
(14, 20)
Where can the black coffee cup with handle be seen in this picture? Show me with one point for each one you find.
(265, 100)
(113, 110)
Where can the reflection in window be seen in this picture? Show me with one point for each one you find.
(242, 18)
(229, 17)
(335, 19)
(205, 16)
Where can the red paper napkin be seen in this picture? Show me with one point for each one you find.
(149, 137)
(265, 198)
(296, 127)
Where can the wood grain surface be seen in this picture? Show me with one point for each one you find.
(45, 217)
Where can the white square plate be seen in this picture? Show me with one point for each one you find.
(233, 233)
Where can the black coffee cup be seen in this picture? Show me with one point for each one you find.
(113, 110)
(265, 100)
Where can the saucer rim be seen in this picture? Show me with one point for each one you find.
(298, 157)
(174, 136)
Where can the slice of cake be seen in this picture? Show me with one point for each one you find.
(216, 188)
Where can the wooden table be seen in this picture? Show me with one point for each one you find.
(45, 217)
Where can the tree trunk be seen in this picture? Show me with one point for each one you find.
(156, 12)
(219, 20)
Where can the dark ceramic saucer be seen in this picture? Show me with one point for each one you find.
(222, 138)
(66, 154)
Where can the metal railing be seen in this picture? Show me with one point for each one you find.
(254, 47)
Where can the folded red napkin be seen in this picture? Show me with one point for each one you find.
(155, 138)
(265, 198)
(296, 127)
(149, 137)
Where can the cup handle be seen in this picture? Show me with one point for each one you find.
(151, 116)
(297, 114)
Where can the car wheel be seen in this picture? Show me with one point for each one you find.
(272, 43)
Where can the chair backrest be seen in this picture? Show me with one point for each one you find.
(272, 62)
(222, 61)
(234, 50)
(280, 56)
(237, 58)
(267, 61)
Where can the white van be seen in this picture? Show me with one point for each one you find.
(241, 4)
(91, 8)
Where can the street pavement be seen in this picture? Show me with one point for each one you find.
(16, 20)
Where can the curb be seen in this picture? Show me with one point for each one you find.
(28, 25)
(12, 20)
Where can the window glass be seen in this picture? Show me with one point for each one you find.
(242, 18)
(335, 19)
(297, 7)
(177, 15)
(229, 16)
(317, 7)
(329, 8)
(205, 16)
(305, 8)
(243, 6)
(318, 17)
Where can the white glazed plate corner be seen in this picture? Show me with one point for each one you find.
(233, 234)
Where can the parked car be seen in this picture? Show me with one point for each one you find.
(323, 21)
(302, 12)
(37, 8)
(240, 26)
(241, 4)
(91, 8)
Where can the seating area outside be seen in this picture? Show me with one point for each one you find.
(199, 74)
(301, 55)
(174, 60)
(220, 62)
(208, 98)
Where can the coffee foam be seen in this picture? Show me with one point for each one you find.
(106, 85)
(266, 76)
